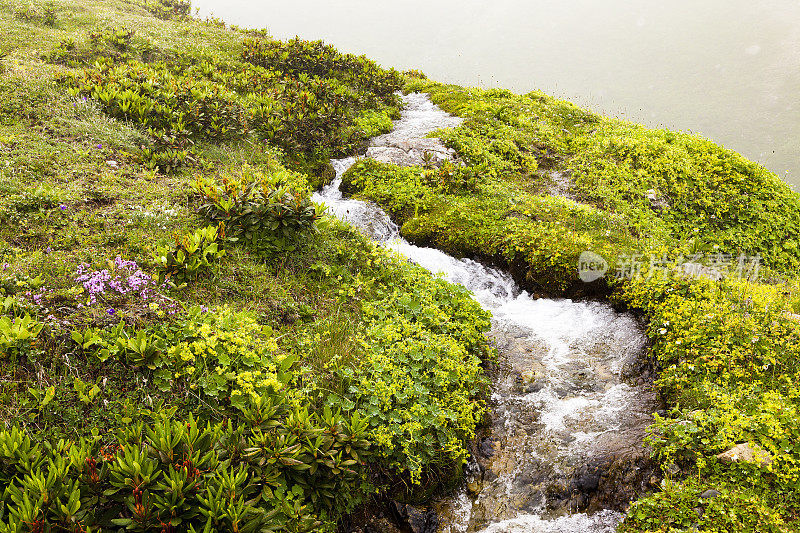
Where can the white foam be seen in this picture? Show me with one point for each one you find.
(602, 522)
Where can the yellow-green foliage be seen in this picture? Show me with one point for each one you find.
(729, 349)
(714, 196)
(494, 220)
(17, 334)
(228, 355)
(420, 380)
(730, 353)
(374, 123)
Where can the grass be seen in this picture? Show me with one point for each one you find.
(79, 190)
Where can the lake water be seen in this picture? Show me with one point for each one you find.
(727, 69)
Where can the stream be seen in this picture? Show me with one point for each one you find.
(571, 395)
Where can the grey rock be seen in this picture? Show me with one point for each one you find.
(412, 152)
(746, 453)
(421, 520)
(710, 493)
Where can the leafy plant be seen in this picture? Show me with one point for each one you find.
(17, 334)
(191, 255)
(178, 475)
(169, 9)
(85, 393)
(262, 211)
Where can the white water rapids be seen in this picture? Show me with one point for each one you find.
(561, 395)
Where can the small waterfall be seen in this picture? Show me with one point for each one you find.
(560, 401)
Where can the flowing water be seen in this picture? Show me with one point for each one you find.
(568, 418)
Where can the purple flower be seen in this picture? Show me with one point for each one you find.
(99, 146)
(62, 207)
(48, 250)
(126, 277)
(111, 311)
(204, 309)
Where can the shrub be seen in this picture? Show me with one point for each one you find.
(115, 44)
(282, 470)
(420, 383)
(169, 9)
(17, 334)
(316, 59)
(263, 211)
(204, 98)
(38, 12)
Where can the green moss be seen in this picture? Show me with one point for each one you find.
(374, 123)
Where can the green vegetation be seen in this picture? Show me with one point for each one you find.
(186, 342)
(545, 181)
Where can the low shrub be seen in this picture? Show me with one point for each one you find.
(420, 383)
(282, 470)
(316, 59)
(169, 9)
(17, 334)
(263, 211)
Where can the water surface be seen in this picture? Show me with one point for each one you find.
(729, 70)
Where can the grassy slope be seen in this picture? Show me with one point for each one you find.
(728, 348)
(333, 322)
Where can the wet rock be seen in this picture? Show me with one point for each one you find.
(474, 486)
(746, 453)
(412, 152)
(587, 478)
(486, 447)
(710, 493)
(380, 525)
(419, 519)
(672, 469)
(589, 482)
(535, 386)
